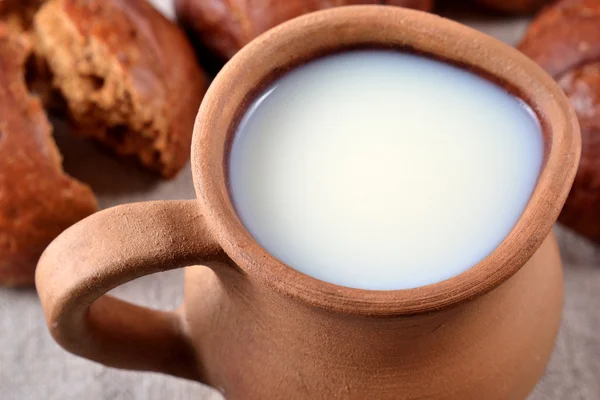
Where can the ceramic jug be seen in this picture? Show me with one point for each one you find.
(255, 328)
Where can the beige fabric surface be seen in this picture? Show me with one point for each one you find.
(33, 367)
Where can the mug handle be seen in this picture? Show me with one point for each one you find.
(106, 250)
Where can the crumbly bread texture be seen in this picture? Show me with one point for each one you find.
(37, 199)
(565, 40)
(120, 72)
(17, 15)
(225, 26)
(128, 77)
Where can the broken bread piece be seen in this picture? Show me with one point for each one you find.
(128, 76)
(37, 199)
(17, 15)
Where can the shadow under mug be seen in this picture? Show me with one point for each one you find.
(257, 329)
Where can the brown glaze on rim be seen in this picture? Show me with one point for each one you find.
(306, 37)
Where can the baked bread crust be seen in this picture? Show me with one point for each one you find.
(225, 26)
(37, 199)
(565, 40)
(515, 6)
(129, 77)
(120, 71)
(17, 15)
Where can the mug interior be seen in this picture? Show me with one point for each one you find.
(385, 27)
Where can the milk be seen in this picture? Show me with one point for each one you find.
(382, 170)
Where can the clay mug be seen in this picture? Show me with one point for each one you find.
(255, 328)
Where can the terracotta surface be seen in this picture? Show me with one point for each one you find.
(37, 199)
(565, 40)
(225, 26)
(259, 329)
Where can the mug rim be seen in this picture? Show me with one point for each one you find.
(312, 35)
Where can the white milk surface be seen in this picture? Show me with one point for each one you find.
(383, 170)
